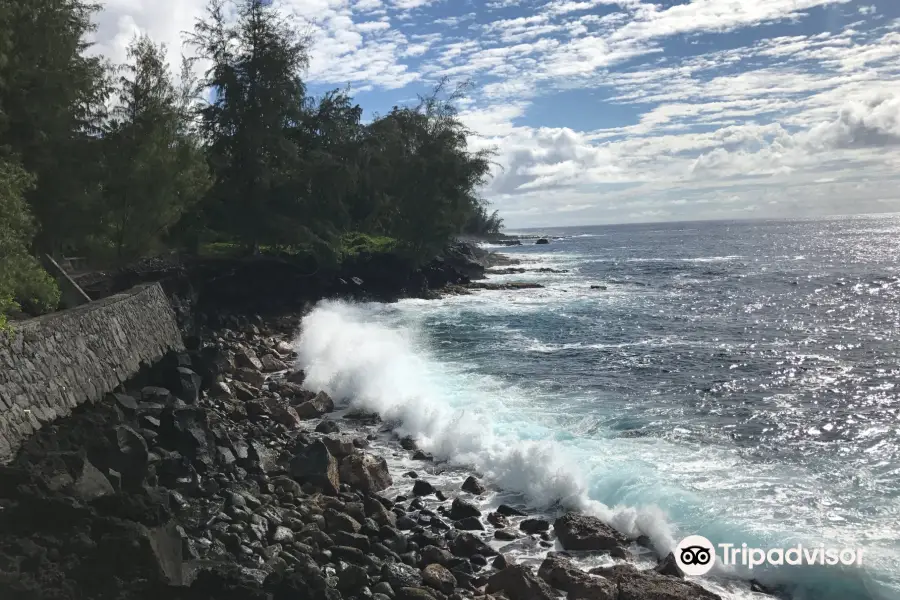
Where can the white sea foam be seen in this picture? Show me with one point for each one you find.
(387, 370)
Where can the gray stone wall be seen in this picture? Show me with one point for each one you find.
(51, 364)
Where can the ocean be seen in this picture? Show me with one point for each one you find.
(736, 380)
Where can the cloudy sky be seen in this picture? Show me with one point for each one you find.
(606, 111)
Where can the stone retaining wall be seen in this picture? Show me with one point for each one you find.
(51, 364)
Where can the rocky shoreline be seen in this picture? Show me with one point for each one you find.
(217, 475)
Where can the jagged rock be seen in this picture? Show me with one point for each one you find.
(131, 457)
(518, 582)
(338, 521)
(422, 455)
(408, 443)
(281, 535)
(327, 426)
(563, 575)
(509, 511)
(271, 364)
(293, 392)
(422, 488)
(283, 348)
(376, 511)
(74, 473)
(297, 377)
(284, 414)
(473, 486)
(399, 575)
(497, 520)
(125, 402)
(414, 593)
(363, 416)
(247, 359)
(349, 554)
(460, 509)
(649, 585)
(467, 544)
(188, 385)
(250, 377)
(505, 535)
(532, 526)
(583, 532)
(354, 540)
(669, 566)
(469, 524)
(244, 391)
(365, 472)
(352, 579)
(261, 457)
(318, 406)
(499, 562)
(339, 445)
(220, 390)
(439, 578)
(315, 464)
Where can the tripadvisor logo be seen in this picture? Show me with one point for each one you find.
(696, 555)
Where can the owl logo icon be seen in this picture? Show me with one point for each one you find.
(695, 555)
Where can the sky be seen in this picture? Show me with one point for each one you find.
(612, 111)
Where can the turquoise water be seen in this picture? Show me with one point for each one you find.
(734, 380)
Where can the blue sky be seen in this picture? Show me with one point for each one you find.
(605, 111)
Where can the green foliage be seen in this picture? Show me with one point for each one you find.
(482, 224)
(23, 282)
(52, 99)
(156, 170)
(355, 244)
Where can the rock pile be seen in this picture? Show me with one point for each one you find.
(222, 478)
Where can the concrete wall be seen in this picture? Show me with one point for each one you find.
(51, 364)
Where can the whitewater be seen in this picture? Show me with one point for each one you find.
(729, 380)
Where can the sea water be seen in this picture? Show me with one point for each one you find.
(736, 380)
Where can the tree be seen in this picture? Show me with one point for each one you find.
(22, 280)
(156, 170)
(257, 100)
(51, 99)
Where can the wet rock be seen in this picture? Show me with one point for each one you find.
(339, 445)
(285, 415)
(460, 509)
(296, 377)
(281, 535)
(259, 456)
(365, 472)
(583, 532)
(327, 426)
(505, 535)
(244, 391)
(405, 523)
(469, 524)
(473, 486)
(355, 540)
(338, 521)
(499, 562)
(649, 585)
(271, 364)
(422, 488)
(378, 512)
(352, 579)
(414, 593)
(314, 464)
(466, 544)
(422, 455)
(533, 526)
(438, 577)
(399, 575)
(318, 406)
(497, 520)
(509, 511)
(383, 588)
(669, 566)
(518, 582)
(563, 575)
(408, 443)
(349, 554)
(220, 390)
(541, 241)
(435, 555)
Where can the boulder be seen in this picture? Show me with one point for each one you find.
(339, 445)
(505, 535)
(244, 391)
(508, 511)
(250, 377)
(74, 473)
(283, 348)
(497, 520)
(338, 521)
(669, 566)
(247, 359)
(467, 544)
(633, 584)
(542, 241)
(352, 579)
(433, 554)
(438, 577)
(460, 509)
(414, 593)
(314, 464)
(376, 511)
(563, 575)
(132, 457)
(473, 486)
(219, 390)
(284, 414)
(518, 582)
(327, 426)
(318, 406)
(296, 377)
(469, 524)
(399, 575)
(583, 532)
(532, 526)
(271, 364)
(422, 488)
(188, 385)
(365, 472)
